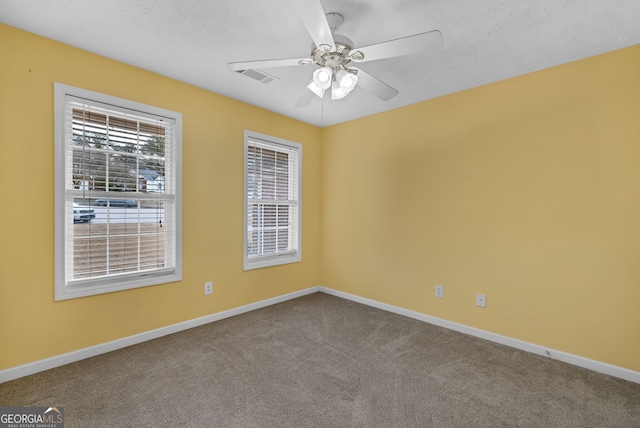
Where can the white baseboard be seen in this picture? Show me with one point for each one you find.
(103, 348)
(60, 360)
(575, 360)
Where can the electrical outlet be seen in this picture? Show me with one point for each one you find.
(440, 291)
(208, 288)
(481, 300)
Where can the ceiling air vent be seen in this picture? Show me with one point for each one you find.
(258, 75)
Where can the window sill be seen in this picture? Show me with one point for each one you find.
(269, 261)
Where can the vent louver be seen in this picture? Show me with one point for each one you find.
(258, 75)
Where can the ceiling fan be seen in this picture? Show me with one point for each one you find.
(335, 56)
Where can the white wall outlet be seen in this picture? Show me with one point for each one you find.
(481, 300)
(440, 291)
(208, 288)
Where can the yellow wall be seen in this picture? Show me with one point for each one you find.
(32, 325)
(527, 190)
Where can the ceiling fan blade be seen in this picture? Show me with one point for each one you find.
(315, 21)
(375, 85)
(422, 42)
(266, 63)
(305, 99)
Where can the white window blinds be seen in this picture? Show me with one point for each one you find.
(272, 216)
(118, 181)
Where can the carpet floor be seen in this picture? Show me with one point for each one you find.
(321, 361)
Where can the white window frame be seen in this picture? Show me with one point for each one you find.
(294, 254)
(64, 288)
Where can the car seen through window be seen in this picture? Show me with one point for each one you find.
(82, 214)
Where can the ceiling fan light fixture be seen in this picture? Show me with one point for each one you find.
(337, 93)
(316, 89)
(322, 77)
(347, 81)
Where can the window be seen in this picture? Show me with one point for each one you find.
(117, 194)
(272, 201)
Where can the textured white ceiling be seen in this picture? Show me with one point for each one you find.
(193, 40)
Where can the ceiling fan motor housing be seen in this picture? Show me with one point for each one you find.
(336, 59)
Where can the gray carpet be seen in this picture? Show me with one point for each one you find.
(321, 361)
